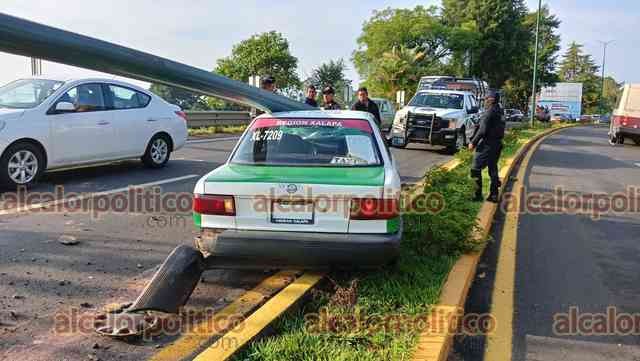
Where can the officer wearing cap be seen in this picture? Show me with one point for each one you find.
(329, 102)
(487, 143)
(268, 83)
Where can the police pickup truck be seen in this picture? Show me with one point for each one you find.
(437, 116)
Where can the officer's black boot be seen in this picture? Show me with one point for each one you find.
(495, 186)
(477, 176)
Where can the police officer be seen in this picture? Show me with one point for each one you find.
(364, 104)
(487, 143)
(311, 96)
(268, 83)
(329, 101)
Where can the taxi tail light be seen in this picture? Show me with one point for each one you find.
(374, 208)
(214, 205)
(182, 115)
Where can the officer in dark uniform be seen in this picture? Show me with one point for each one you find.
(329, 102)
(487, 143)
(364, 104)
(311, 96)
(268, 83)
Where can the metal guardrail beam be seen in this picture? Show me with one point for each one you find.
(197, 119)
(23, 37)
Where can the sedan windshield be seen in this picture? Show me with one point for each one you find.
(309, 142)
(27, 93)
(445, 101)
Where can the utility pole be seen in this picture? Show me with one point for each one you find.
(36, 66)
(604, 58)
(535, 65)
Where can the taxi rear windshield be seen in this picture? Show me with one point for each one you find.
(309, 142)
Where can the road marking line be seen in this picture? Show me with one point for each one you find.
(435, 346)
(197, 141)
(500, 343)
(22, 209)
(203, 333)
(253, 325)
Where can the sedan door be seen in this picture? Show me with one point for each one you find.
(133, 119)
(85, 134)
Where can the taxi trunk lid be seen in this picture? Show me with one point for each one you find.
(303, 199)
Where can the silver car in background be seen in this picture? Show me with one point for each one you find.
(387, 113)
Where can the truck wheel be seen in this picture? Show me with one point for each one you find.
(21, 165)
(461, 142)
(615, 139)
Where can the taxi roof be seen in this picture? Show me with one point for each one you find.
(321, 114)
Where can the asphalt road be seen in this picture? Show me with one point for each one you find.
(117, 252)
(577, 280)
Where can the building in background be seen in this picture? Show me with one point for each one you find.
(563, 98)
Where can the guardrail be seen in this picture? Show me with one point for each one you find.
(198, 119)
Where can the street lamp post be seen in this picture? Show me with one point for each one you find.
(604, 58)
(535, 65)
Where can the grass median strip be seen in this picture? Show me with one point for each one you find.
(378, 315)
(217, 129)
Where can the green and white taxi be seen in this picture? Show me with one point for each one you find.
(309, 189)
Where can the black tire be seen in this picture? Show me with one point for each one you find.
(615, 139)
(158, 151)
(30, 160)
(461, 142)
(636, 140)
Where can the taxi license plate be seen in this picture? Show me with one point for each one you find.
(288, 212)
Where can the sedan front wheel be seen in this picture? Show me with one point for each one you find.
(21, 165)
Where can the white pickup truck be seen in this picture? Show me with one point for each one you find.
(438, 117)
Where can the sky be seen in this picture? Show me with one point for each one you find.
(200, 32)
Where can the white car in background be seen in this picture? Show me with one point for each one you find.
(47, 124)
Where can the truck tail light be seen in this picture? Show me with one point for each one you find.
(373, 208)
(214, 205)
(182, 115)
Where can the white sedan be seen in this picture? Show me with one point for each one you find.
(48, 124)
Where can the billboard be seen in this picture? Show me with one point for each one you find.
(563, 98)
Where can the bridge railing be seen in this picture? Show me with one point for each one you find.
(199, 119)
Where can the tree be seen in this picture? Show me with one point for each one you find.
(400, 68)
(612, 93)
(330, 74)
(578, 67)
(517, 89)
(420, 30)
(183, 98)
(498, 51)
(262, 54)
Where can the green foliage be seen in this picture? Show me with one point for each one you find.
(502, 37)
(330, 74)
(403, 43)
(578, 67)
(184, 99)
(517, 89)
(262, 54)
(612, 94)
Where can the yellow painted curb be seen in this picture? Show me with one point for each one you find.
(435, 346)
(253, 325)
(203, 333)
